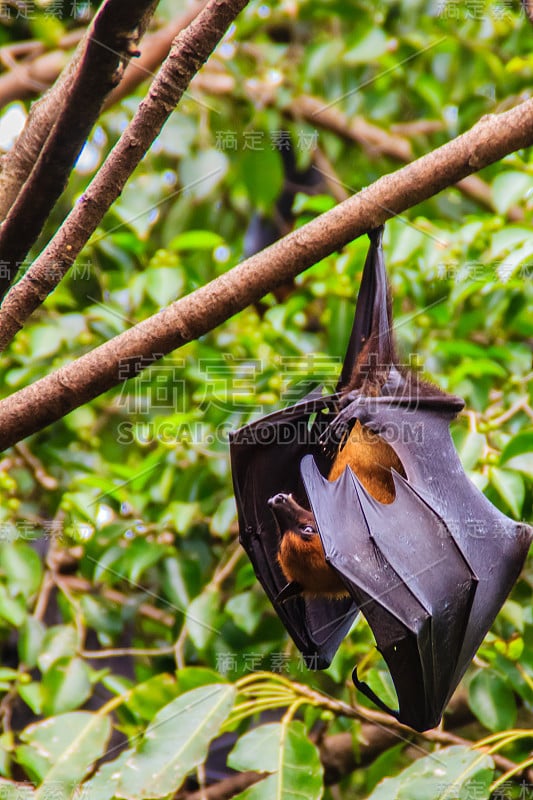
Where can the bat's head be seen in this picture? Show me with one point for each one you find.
(291, 516)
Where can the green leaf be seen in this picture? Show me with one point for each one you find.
(286, 752)
(16, 790)
(246, 610)
(12, 610)
(60, 641)
(32, 694)
(45, 341)
(31, 637)
(191, 677)
(98, 614)
(224, 516)
(200, 174)
(64, 748)
(66, 685)
(431, 90)
(383, 765)
(202, 618)
(22, 567)
(140, 556)
(47, 29)
(262, 174)
(196, 240)
(182, 514)
(514, 613)
(523, 463)
(508, 239)
(103, 785)
(371, 46)
(510, 487)
(453, 772)
(151, 695)
(519, 445)
(472, 449)
(164, 285)
(492, 701)
(381, 683)
(175, 742)
(509, 188)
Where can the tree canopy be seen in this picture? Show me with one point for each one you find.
(136, 335)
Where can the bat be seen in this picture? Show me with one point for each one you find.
(357, 501)
(265, 229)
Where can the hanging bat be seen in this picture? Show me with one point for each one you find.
(358, 501)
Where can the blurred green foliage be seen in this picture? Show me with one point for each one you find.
(132, 493)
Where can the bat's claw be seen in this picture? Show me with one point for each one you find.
(292, 589)
(337, 432)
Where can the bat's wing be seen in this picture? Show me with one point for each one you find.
(457, 553)
(493, 545)
(417, 586)
(265, 456)
(372, 318)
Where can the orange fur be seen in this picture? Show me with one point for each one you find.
(303, 561)
(371, 458)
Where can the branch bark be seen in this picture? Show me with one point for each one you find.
(50, 398)
(100, 62)
(190, 50)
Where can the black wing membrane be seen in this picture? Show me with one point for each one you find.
(429, 571)
(265, 458)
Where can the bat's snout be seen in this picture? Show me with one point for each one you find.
(280, 499)
(290, 515)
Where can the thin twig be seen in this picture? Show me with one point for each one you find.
(120, 652)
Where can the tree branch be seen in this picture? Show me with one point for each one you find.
(99, 65)
(155, 49)
(50, 398)
(374, 139)
(224, 789)
(369, 136)
(190, 50)
(36, 74)
(38, 70)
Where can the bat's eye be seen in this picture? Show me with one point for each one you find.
(307, 529)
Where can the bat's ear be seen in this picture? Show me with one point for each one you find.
(372, 325)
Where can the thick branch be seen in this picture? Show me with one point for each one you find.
(105, 50)
(50, 398)
(190, 50)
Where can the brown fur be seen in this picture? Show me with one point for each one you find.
(302, 557)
